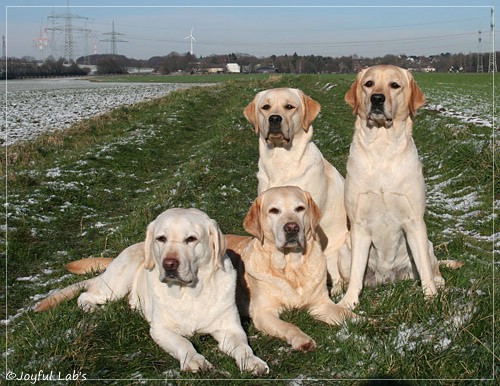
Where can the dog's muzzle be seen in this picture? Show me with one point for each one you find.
(171, 273)
(275, 135)
(292, 235)
(377, 115)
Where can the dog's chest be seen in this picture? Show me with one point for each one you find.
(384, 212)
(281, 167)
(187, 310)
(390, 181)
(300, 280)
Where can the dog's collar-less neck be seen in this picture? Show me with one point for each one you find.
(181, 284)
(283, 257)
(292, 250)
(177, 289)
(396, 132)
(295, 143)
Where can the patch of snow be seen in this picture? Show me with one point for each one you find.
(36, 106)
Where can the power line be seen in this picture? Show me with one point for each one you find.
(309, 44)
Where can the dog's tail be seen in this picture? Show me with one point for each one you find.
(453, 264)
(79, 267)
(61, 295)
(88, 265)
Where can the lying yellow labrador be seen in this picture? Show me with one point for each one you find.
(385, 189)
(283, 119)
(183, 283)
(283, 266)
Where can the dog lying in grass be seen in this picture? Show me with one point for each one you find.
(183, 283)
(282, 266)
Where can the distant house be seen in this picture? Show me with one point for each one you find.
(266, 70)
(140, 70)
(214, 70)
(233, 68)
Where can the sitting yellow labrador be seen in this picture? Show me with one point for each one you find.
(283, 119)
(183, 283)
(282, 265)
(385, 189)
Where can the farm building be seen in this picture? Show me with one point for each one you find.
(233, 68)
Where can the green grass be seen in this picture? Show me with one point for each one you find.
(92, 189)
(197, 78)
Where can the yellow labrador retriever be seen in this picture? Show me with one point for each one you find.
(385, 189)
(283, 266)
(183, 283)
(283, 119)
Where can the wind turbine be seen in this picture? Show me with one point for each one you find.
(191, 39)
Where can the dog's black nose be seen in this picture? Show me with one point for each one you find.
(377, 99)
(291, 228)
(275, 120)
(170, 264)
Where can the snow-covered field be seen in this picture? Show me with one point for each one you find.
(465, 107)
(34, 106)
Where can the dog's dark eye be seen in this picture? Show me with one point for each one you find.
(266, 107)
(289, 107)
(300, 209)
(274, 211)
(394, 85)
(369, 84)
(190, 239)
(161, 239)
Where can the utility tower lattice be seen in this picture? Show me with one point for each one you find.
(479, 54)
(492, 62)
(113, 39)
(41, 42)
(68, 30)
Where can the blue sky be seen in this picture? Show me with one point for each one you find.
(328, 28)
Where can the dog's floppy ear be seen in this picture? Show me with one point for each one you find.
(314, 213)
(251, 114)
(353, 96)
(217, 243)
(311, 111)
(251, 223)
(417, 97)
(149, 262)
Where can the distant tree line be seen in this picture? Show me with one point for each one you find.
(21, 68)
(175, 62)
(315, 64)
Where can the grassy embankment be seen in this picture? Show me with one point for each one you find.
(92, 190)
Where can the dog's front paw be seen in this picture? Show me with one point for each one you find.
(196, 363)
(429, 288)
(350, 304)
(303, 343)
(439, 282)
(255, 365)
(336, 288)
(87, 302)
